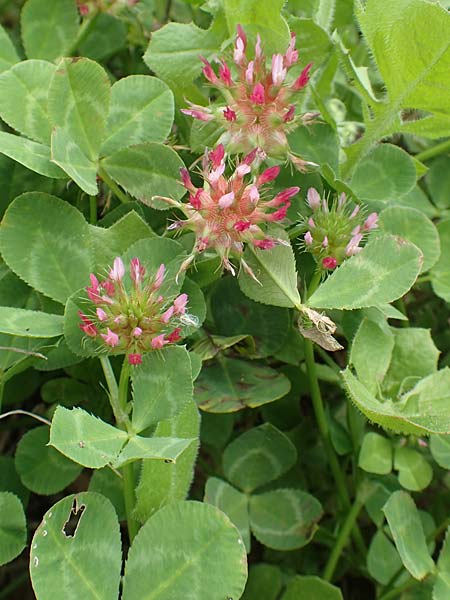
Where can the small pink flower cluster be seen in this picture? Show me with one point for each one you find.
(88, 7)
(260, 102)
(135, 320)
(335, 232)
(228, 212)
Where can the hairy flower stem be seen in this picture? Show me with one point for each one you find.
(342, 539)
(128, 469)
(321, 419)
(118, 396)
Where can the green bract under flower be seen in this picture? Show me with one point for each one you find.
(133, 319)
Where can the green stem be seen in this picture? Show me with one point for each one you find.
(400, 589)
(434, 151)
(342, 539)
(120, 414)
(83, 33)
(93, 210)
(129, 483)
(327, 359)
(321, 419)
(113, 186)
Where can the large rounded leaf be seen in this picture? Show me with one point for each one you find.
(42, 468)
(186, 550)
(44, 240)
(76, 550)
(13, 533)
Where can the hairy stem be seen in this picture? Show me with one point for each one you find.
(433, 151)
(113, 186)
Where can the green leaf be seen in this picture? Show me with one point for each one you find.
(312, 588)
(284, 519)
(162, 386)
(375, 455)
(30, 323)
(438, 181)
(159, 448)
(233, 314)
(258, 456)
(41, 468)
(382, 272)
(84, 438)
(8, 54)
(48, 31)
(275, 270)
(141, 110)
(13, 531)
(383, 560)
(264, 581)
(440, 273)
(77, 547)
(114, 241)
(409, 537)
(426, 413)
(147, 170)
(259, 16)
(23, 98)
(441, 588)
(440, 450)
(109, 484)
(32, 155)
(161, 483)
(65, 391)
(313, 40)
(229, 384)
(196, 552)
(317, 143)
(78, 101)
(413, 54)
(386, 173)
(414, 356)
(174, 50)
(371, 354)
(412, 225)
(68, 155)
(415, 473)
(107, 38)
(233, 503)
(55, 235)
(10, 481)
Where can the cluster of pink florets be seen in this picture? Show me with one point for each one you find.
(88, 7)
(227, 212)
(260, 101)
(335, 230)
(134, 318)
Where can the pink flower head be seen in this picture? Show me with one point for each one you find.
(303, 79)
(278, 71)
(283, 196)
(180, 304)
(225, 73)
(159, 277)
(135, 359)
(217, 155)
(137, 270)
(329, 263)
(258, 95)
(111, 338)
(371, 222)
(291, 56)
(258, 105)
(338, 229)
(87, 325)
(266, 244)
(196, 199)
(137, 332)
(175, 336)
(269, 175)
(186, 179)
(101, 314)
(159, 342)
(226, 200)
(166, 316)
(118, 270)
(208, 71)
(229, 114)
